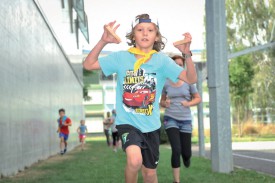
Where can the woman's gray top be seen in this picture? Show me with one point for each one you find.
(177, 94)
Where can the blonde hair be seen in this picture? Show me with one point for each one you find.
(158, 45)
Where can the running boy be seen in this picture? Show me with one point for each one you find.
(63, 128)
(138, 115)
(82, 130)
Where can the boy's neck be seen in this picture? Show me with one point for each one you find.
(145, 50)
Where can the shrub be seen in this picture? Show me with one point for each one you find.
(266, 129)
(250, 129)
(163, 134)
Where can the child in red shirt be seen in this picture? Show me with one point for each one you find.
(63, 128)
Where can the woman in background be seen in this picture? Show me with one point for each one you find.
(177, 98)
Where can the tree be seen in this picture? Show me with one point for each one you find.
(251, 23)
(265, 89)
(241, 74)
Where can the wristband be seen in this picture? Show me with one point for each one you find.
(185, 56)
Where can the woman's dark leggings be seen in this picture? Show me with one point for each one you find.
(107, 137)
(115, 138)
(180, 144)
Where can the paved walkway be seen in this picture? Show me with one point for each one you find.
(259, 156)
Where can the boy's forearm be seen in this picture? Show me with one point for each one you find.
(191, 74)
(92, 57)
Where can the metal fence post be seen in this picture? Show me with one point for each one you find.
(218, 84)
(199, 66)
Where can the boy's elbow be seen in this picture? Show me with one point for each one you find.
(86, 66)
(89, 66)
(193, 80)
(199, 100)
(190, 80)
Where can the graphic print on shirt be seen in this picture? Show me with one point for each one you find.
(139, 92)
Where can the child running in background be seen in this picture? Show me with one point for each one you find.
(141, 74)
(114, 131)
(82, 130)
(63, 129)
(106, 126)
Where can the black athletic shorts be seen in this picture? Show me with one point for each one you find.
(148, 142)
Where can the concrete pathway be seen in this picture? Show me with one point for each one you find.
(258, 156)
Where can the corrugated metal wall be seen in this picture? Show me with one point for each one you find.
(35, 81)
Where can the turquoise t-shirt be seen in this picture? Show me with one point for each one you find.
(138, 94)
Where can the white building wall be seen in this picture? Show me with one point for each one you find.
(36, 80)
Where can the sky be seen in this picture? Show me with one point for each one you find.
(175, 17)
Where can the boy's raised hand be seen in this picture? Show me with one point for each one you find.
(109, 35)
(186, 42)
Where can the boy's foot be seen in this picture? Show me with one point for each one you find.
(65, 150)
(61, 152)
(187, 163)
(115, 150)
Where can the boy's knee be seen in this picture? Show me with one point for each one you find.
(134, 157)
(134, 163)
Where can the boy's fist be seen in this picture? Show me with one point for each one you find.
(111, 31)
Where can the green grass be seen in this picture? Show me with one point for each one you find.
(251, 138)
(99, 164)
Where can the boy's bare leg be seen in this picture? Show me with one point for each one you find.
(149, 175)
(176, 174)
(134, 162)
(82, 144)
(62, 144)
